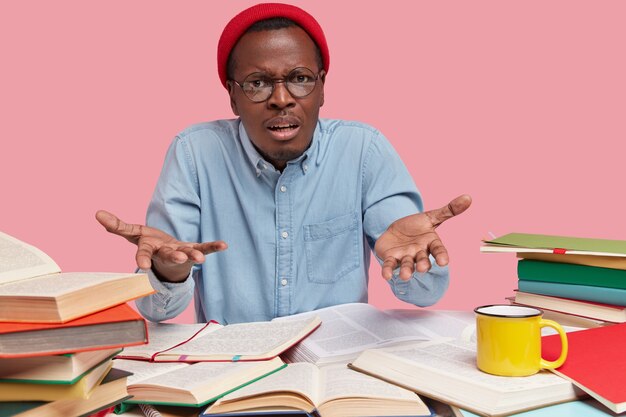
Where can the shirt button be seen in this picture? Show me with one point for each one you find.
(283, 188)
(283, 282)
(285, 235)
(305, 167)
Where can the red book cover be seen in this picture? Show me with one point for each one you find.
(596, 362)
(59, 335)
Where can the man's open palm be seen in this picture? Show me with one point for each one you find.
(409, 241)
(170, 257)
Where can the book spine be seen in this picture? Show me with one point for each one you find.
(528, 270)
(603, 295)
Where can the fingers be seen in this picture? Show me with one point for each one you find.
(211, 247)
(408, 265)
(132, 232)
(194, 253)
(454, 208)
(389, 265)
(439, 252)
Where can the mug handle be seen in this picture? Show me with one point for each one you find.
(556, 326)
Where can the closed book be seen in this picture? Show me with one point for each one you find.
(528, 270)
(115, 327)
(24, 391)
(604, 295)
(614, 262)
(562, 245)
(53, 369)
(111, 391)
(596, 363)
(596, 311)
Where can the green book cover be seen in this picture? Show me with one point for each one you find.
(526, 240)
(529, 270)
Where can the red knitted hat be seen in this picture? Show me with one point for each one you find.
(240, 23)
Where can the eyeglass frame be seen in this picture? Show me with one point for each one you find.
(279, 80)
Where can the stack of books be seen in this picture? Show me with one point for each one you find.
(59, 333)
(576, 281)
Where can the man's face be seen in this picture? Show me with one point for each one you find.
(281, 128)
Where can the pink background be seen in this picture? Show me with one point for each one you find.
(520, 104)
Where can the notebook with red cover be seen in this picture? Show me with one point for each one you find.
(596, 362)
(114, 327)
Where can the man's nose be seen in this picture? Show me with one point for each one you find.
(281, 97)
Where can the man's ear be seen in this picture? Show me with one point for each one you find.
(323, 79)
(231, 93)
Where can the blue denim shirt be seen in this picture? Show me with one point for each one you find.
(297, 240)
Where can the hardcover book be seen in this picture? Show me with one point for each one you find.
(564, 273)
(214, 342)
(32, 288)
(596, 363)
(446, 371)
(111, 391)
(191, 385)
(112, 328)
(330, 391)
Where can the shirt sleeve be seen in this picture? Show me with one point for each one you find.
(389, 193)
(175, 209)
(170, 299)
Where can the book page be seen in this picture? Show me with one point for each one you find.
(55, 285)
(19, 260)
(142, 370)
(163, 336)
(253, 339)
(456, 360)
(439, 323)
(338, 381)
(200, 374)
(296, 377)
(348, 329)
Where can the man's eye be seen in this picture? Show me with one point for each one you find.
(260, 83)
(301, 79)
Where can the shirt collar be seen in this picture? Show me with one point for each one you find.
(259, 164)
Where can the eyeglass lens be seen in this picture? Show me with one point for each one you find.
(258, 86)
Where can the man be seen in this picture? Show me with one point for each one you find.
(299, 200)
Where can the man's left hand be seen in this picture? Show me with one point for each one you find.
(409, 241)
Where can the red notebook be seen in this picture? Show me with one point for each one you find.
(114, 327)
(596, 362)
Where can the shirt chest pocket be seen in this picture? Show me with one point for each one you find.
(332, 248)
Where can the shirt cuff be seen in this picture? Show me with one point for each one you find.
(170, 299)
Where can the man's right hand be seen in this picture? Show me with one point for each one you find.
(170, 259)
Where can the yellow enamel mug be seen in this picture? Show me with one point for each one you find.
(508, 340)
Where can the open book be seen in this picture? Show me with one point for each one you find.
(214, 342)
(32, 288)
(333, 390)
(192, 385)
(446, 370)
(348, 329)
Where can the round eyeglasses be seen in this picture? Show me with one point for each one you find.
(259, 86)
